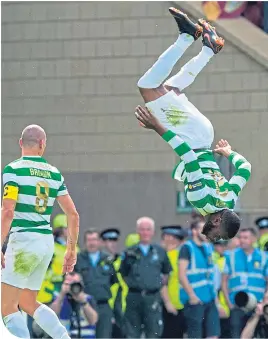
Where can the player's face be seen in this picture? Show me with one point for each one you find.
(92, 242)
(146, 232)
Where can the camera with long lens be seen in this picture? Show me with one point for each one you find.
(265, 309)
(246, 301)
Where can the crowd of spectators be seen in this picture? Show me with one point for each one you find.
(181, 287)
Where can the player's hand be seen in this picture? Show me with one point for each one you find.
(223, 148)
(146, 118)
(69, 261)
(3, 264)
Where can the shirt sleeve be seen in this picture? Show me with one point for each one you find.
(185, 253)
(242, 173)
(195, 177)
(63, 188)
(10, 182)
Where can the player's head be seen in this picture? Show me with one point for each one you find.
(222, 225)
(33, 140)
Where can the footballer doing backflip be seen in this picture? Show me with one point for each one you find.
(190, 133)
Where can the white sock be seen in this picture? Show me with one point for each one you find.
(16, 324)
(156, 75)
(188, 72)
(49, 322)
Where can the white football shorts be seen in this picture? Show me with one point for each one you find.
(27, 258)
(180, 116)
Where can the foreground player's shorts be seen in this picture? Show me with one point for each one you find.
(27, 258)
(180, 116)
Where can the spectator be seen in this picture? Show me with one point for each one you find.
(196, 270)
(257, 325)
(233, 243)
(224, 312)
(97, 270)
(246, 269)
(110, 238)
(172, 238)
(145, 268)
(262, 224)
(76, 309)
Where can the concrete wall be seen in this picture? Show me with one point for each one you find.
(72, 68)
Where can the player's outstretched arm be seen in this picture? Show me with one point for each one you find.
(243, 167)
(182, 149)
(67, 205)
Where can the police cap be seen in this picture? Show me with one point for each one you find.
(175, 230)
(262, 222)
(110, 234)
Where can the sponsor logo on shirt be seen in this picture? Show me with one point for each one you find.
(195, 186)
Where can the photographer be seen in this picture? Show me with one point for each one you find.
(75, 308)
(257, 325)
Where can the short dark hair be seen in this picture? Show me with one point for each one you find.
(90, 231)
(230, 224)
(251, 230)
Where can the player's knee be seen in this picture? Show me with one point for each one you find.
(29, 307)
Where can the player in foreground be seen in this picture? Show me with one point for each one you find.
(190, 133)
(31, 186)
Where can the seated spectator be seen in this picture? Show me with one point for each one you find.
(257, 325)
(75, 309)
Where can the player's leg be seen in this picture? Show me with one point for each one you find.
(150, 84)
(212, 44)
(12, 317)
(43, 315)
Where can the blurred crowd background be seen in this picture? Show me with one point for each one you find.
(72, 67)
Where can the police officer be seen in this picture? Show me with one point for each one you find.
(145, 268)
(262, 224)
(110, 239)
(172, 238)
(224, 312)
(196, 273)
(98, 273)
(246, 269)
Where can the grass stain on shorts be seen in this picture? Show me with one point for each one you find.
(25, 263)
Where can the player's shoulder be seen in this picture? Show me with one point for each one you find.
(54, 169)
(11, 167)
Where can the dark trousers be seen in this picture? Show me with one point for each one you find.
(173, 324)
(104, 324)
(143, 314)
(238, 320)
(225, 328)
(202, 317)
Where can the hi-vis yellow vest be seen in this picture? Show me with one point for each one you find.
(263, 242)
(57, 263)
(220, 261)
(115, 287)
(173, 281)
(45, 295)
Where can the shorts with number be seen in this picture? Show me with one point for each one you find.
(27, 258)
(180, 116)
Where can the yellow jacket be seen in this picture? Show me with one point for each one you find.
(115, 287)
(220, 261)
(173, 281)
(45, 295)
